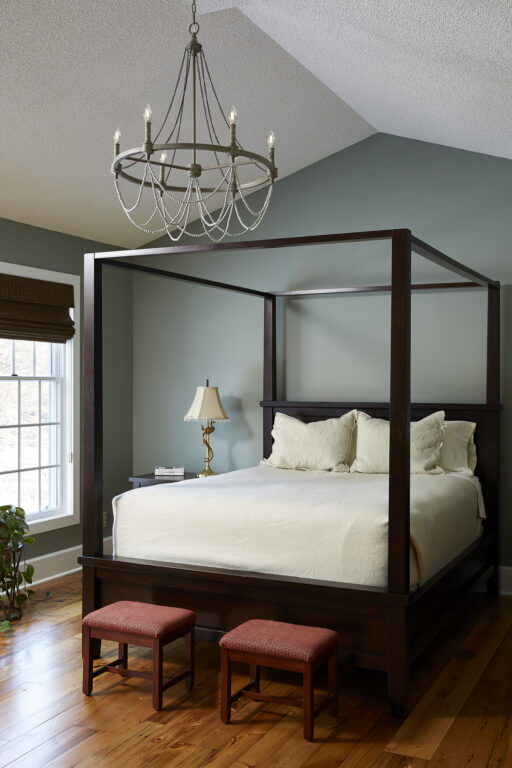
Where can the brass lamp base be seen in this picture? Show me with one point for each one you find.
(206, 473)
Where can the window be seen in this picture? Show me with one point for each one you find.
(38, 426)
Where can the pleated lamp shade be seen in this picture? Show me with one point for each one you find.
(206, 405)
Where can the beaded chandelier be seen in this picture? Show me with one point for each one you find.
(204, 179)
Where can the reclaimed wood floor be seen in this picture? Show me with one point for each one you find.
(462, 697)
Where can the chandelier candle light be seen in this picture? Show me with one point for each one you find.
(199, 179)
(207, 408)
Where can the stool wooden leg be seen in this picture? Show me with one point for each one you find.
(157, 673)
(123, 654)
(190, 658)
(308, 702)
(225, 686)
(87, 660)
(333, 683)
(96, 648)
(255, 676)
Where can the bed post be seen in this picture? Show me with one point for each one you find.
(399, 469)
(493, 398)
(92, 480)
(269, 369)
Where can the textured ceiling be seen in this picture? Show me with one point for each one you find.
(435, 71)
(322, 74)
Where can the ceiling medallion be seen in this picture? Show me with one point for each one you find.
(205, 178)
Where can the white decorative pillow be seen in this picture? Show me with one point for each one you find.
(372, 448)
(320, 445)
(458, 452)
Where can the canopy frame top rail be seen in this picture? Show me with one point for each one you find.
(474, 278)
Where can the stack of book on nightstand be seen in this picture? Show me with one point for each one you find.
(169, 471)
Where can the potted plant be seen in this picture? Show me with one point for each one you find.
(15, 574)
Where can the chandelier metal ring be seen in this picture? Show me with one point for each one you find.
(132, 156)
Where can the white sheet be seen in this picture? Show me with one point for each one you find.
(317, 525)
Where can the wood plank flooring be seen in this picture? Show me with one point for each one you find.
(462, 697)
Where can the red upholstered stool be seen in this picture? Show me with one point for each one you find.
(262, 643)
(152, 626)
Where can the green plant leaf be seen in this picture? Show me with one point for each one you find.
(4, 626)
(30, 570)
(28, 539)
(30, 592)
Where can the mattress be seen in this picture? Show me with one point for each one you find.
(316, 525)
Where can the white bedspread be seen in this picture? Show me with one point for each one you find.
(317, 525)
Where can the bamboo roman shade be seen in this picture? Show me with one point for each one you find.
(36, 310)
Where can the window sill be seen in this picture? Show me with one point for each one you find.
(52, 522)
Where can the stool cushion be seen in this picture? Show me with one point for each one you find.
(280, 640)
(139, 618)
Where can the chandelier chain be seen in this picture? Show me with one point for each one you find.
(206, 217)
(194, 27)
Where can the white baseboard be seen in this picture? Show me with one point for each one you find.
(505, 576)
(505, 580)
(61, 563)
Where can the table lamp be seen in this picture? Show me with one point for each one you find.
(207, 408)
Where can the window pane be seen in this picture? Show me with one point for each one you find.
(24, 358)
(8, 402)
(8, 450)
(45, 401)
(5, 357)
(43, 349)
(49, 445)
(29, 447)
(9, 489)
(29, 491)
(54, 410)
(29, 402)
(49, 489)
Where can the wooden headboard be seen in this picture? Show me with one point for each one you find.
(487, 418)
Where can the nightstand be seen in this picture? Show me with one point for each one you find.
(138, 481)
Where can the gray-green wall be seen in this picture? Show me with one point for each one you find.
(44, 249)
(335, 348)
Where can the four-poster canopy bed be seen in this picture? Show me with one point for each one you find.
(381, 628)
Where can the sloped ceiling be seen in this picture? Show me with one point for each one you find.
(323, 74)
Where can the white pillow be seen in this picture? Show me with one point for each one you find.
(320, 445)
(458, 452)
(372, 448)
(353, 443)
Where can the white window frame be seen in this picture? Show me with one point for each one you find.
(69, 512)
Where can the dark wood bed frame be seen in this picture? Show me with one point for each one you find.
(384, 629)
